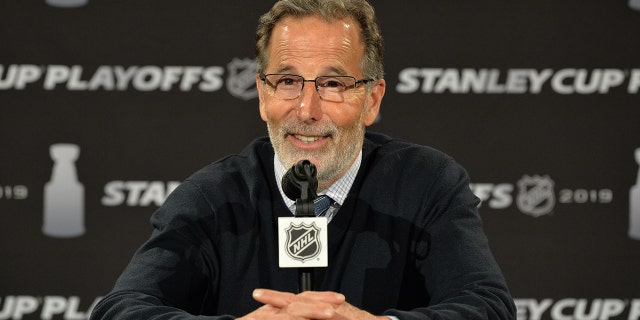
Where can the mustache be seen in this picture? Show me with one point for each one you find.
(327, 129)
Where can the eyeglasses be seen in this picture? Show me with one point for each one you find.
(330, 88)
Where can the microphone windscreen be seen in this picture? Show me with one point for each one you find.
(290, 188)
(301, 175)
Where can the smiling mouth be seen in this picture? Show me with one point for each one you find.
(307, 139)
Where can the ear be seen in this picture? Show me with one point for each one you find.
(261, 103)
(374, 99)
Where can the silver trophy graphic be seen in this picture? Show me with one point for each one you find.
(634, 204)
(634, 4)
(64, 195)
(67, 3)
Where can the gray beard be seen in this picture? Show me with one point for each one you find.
(335, 161)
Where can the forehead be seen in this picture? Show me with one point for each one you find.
(311, 40)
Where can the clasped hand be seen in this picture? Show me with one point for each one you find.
(306, 305)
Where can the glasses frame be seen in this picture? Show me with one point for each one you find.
(263, 78)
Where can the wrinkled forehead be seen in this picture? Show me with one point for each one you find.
(316, 25)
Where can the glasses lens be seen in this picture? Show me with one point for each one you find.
(287, 86)
(333, 88)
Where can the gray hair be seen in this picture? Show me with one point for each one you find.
(359, 10)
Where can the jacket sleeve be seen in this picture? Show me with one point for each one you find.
(171, 275)
(462, 278)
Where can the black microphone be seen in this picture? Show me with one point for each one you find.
(300, 184)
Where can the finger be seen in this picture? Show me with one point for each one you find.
(324, 296)
(272, 297)
(294, 310)
(281, 299)
(310, 310)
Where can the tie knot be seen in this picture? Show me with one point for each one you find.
(321, 204)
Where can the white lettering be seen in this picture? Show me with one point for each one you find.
(27, 74)
(212, 79)
(9, 76)
(474, 81)
(137, 193)
(103, 78)
(148, 78)
(584, 86)
(557, 309)
(538, 309)
(517, 80)
(538, 79)
(580, 312)
(634, 81)
(171, 77)
(430, 76)
(448, 82)
(17, 307)
(514, 81)
(611, 78)
(494, 86)
(557, 82)
(53, 305)
(497, 196)
(191, 76)
(135, 190)
(24, 305)
(634, 311)
(7, 309)
(501, 196)
(482, 191)
(611, 308)
(75, 82)
(522, 306)
(124, 76)
(114, 193)
(17, 192)
(576, 309)
(72, 310)
(55, 74)
(409, 82)
(19, 76)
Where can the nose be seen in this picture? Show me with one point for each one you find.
(309, 108)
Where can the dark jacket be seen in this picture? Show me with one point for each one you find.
(407, 242)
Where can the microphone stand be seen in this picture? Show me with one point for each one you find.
(305, 208)
(303, 177)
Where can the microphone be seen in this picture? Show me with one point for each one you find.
(300, 184)
(303, 239)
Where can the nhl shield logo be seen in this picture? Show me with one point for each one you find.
(241, 81)
(536, 195)
(302, 242)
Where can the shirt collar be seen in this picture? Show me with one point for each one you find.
(337, 191)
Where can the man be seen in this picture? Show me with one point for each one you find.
(406, 241)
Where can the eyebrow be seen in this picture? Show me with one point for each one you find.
(332, 69)
(284, 69)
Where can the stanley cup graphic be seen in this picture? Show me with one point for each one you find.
(634, 204)
(64, 195)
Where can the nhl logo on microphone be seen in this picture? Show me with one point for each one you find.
(302, 242)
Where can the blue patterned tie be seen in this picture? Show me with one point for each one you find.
(321, 204)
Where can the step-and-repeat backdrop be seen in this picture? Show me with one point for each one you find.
(106, 105)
